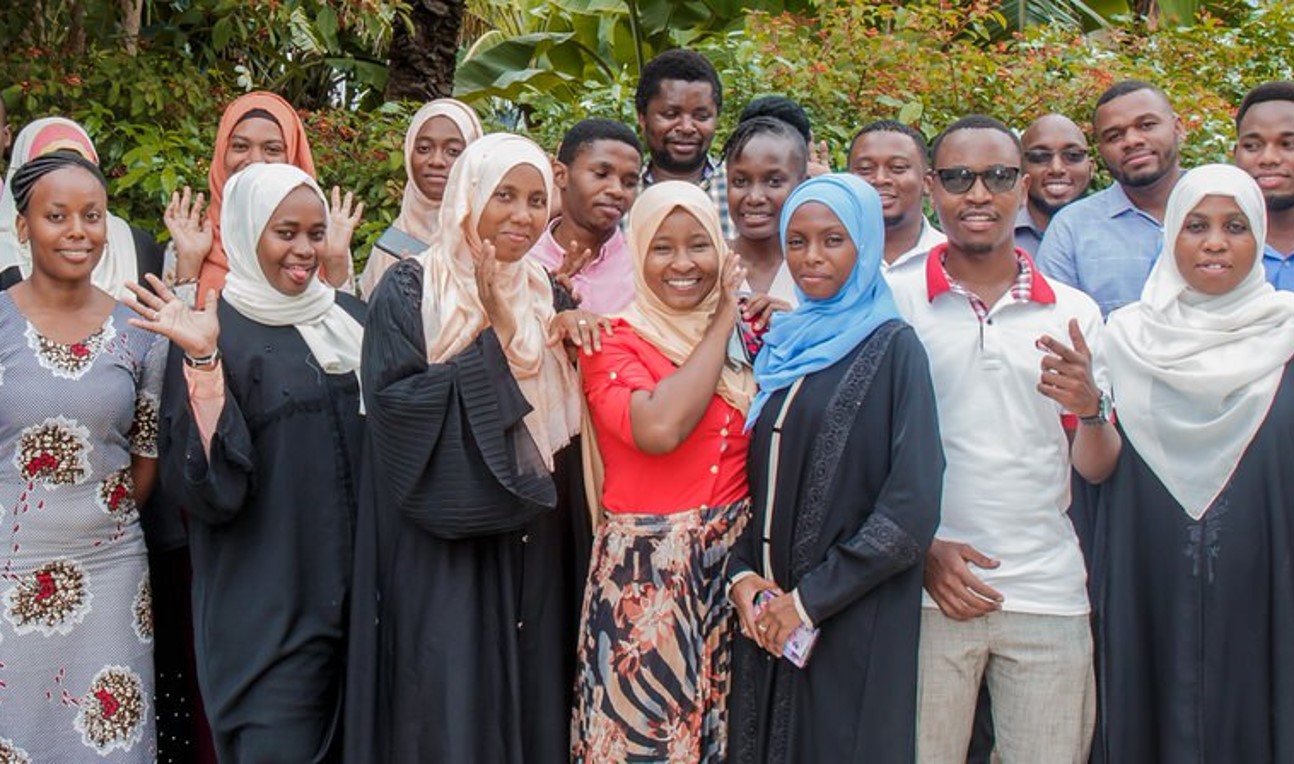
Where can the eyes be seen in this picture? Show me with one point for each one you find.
(1143, 125)
(537, 200)
(701, 115)
(1255, 145)
(90, 216)
(269, 149)
(450, 150)
(1236, 226)
(697, 244)
(869, 170)
(830, 240)
(287, 233)
(774, 181)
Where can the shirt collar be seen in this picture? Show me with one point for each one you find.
(1024, 220)
(1272, 253)
(707, 174)
(937, 277)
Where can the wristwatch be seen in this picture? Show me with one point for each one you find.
(1102, 416)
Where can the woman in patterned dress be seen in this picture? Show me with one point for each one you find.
(78, 423)
(667, 406)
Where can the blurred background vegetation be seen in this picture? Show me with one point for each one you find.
(149, 78)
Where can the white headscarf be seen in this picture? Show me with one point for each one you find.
(1195, 375)
(419, 214)
(250, 198)
(119, 264)
(452, 313)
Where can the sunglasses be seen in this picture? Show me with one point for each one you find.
(997, 178)
(1044, 156)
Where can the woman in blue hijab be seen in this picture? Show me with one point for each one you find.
(845, 473)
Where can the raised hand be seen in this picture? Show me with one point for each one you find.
(190, 231)
(819, 159)
(1067, 373)
(344, 215)
(759, 309)
(194, 331)
(486, 271)
(958, 592)
(573, 261)
(731, 276)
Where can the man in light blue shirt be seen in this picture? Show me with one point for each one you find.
(1265, 150)
(1059, 167)
(1105, 244)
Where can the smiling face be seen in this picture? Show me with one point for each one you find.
(515, 215)
(893, 164)
(1265, 150)
(293, 241)
(682, 263)
(760, 179)
(66, 223)
(1051, 146)
(819, 251)
(1216, 248)
(435, 150)
(679, 124)
(255, 140)
(600, 184)
(978, 221)
(1138, 136)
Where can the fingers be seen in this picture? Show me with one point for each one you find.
(975, 557)
(1052, 345)
(143, 298)
(335, 197)
(159, 287)
(1078, 340)
(209, 305)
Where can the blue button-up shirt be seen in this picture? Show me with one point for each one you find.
(1279, 267)
(1027, 233)
(1102, 245)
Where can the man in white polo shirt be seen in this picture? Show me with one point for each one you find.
(1010, 355)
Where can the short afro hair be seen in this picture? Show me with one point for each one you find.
(1126, 87)
(975, 122)
(1278, 90)
(894, 126)
(586, 132)
(779, 107)
(748, 129)
(677, 64)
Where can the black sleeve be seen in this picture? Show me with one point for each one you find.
(451, 448)
(148, 253)
(902, 523)
(9, 276)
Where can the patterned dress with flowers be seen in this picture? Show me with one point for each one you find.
(76, 627)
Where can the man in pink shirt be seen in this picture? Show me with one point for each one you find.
(597, 171)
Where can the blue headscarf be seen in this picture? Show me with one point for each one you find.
(820, 332)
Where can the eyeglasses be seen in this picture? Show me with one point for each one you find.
(997, 178)
(1044, 156)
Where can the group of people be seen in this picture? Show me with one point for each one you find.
(643, 453)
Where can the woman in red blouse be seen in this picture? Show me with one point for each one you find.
(669, 464)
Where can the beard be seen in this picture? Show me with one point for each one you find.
(1049, 208)
(663, 160)
(1279, 203)
(1167, 165)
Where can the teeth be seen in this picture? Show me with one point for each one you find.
(682, 283)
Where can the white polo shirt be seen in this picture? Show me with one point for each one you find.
(1006, 484)
(914, 258)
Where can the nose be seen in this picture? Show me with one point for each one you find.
(77, 231)
(978, 193)
(439, 158)
(521, 212)
(1216, 240)
(686, 124)
(1057, 164)
(1270, 155)
(255, 154)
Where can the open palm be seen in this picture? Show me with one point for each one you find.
(194, 331)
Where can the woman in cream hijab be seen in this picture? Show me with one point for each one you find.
(667, 406)
(462, 644)
(436, 137)
(261, 431)
(1192, 577)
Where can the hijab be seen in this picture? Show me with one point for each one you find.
(818, 333)
(419, 215)
(452, 313)
(216, 266)
(676, 333)
(250, 199)
(119, 264)
(1194, 375)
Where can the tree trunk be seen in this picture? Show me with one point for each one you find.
(131, 13)
(423, 52)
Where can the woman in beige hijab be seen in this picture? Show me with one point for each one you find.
(667, 405)
(464, 611)
(437, 135)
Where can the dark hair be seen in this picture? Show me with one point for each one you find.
(258, 114)
(26, 177)
(893, 126)
(677, 64)
(1278, 90)
(975, 122)
(779, 107)
(588, 131)
(754, 126)
(1121, 89)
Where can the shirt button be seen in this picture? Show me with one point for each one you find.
(613, 375)
(520, 624)
(705, 506)
(714, 469)
(724, 432)
(525, 538)
(723, 447)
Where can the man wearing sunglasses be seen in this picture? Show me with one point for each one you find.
(1011, 359)
(1059, 169)
(1106, 243)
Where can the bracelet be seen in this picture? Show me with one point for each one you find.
(185, 282)
(204, 362)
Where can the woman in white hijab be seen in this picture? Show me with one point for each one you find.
(462, 641)
(437, 135)
(1192, 568)
(262, 427)
(130, 252)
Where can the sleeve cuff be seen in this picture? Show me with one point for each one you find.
(799, 608)
(733, 581)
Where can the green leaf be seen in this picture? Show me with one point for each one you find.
(911, 112)
(326, 23)
(222, 33)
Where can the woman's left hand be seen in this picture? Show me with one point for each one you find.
(343, 217)
(775, 625)
(732, 276)
(580, 328)
(759, 309)
(196, 332)
(1067, 373)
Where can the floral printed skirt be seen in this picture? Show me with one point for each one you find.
(655, 638)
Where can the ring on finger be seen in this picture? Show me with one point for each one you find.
(762, 627)
(581, 322)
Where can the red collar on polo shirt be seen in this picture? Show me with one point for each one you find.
(937, 277)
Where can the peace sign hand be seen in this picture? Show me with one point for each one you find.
(194, 331)
(1067, 373)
